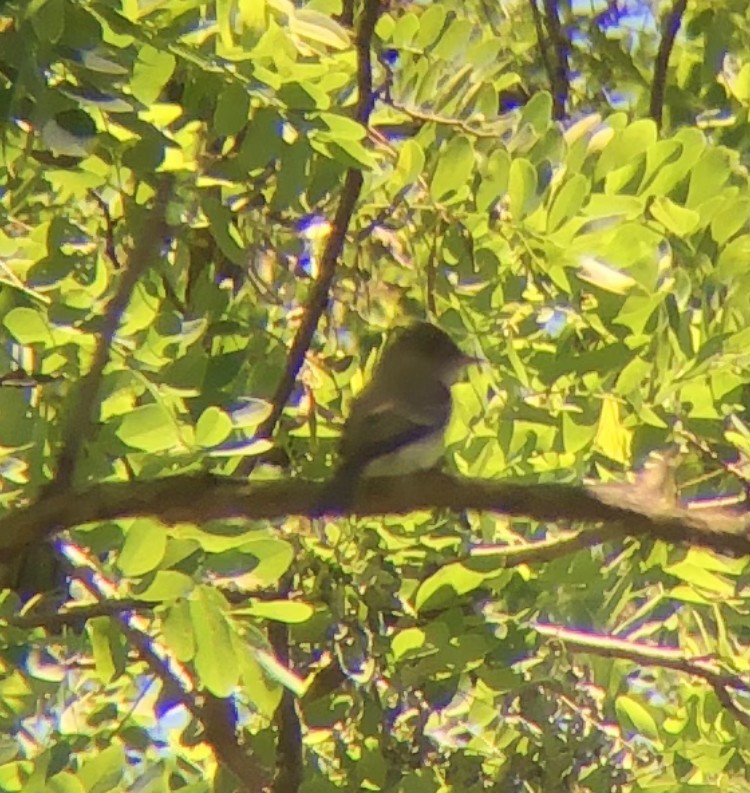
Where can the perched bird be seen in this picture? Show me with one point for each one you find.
(397, 423)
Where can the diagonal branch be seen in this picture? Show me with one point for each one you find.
(318, 299)
(709, 669)
(146, 248)
(214, 714)
(670, 26)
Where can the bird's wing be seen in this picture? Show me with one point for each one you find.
(378, 426)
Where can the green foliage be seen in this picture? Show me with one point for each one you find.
(598, 265)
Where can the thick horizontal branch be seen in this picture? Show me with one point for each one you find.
(617, 510)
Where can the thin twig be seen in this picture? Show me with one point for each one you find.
(432, 269)
(670, 26)
(490, 131)
(72, 615)
(723, 695)
(150, 237)
(383, 215)
(109, 230)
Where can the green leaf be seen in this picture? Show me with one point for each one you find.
(215, 659)
(673, 217)
(274, 557)
(710, 173)
(150, 428)
(613, 439)
(408, 642)
(697, 576)
(568, 201)
(64, 782)
(576, 434)
(733, 259)
(232, 110)
(251, 413)
(242, 448)
(454, 168)
(27, 326)
(49, 20)
(151, 72)
(522, 184)
(104, 771)
(431, 24)
(300, 96)
(263, 690)
(289, 611)
(409, 165)
(223, 229)
(604, 276)
(166, 585)
(538, 111)
(404, 30)
(341, 128)
(314, 26)
(626, 147)
(177, 630)
(254, 14)
(106, 642)
(213, 427)
(351, 154)
(494, 184)
(636, 716)
(454, 40)
(446, 584)
(728, 220)
(625, 207)
(143, 550)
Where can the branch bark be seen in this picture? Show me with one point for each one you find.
(553, 47)
(670, 26)
(146, 248)
(289, 755)
(617, 510)
(709, 669)
(318, 299)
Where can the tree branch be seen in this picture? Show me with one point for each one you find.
(559, 80)
(619, 510)
(318, 299)
(709, 669)
(146, 247)
(670, 26)
(216, 715)
(289, 759)
(553, 42)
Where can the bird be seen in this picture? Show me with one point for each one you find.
(396, 425)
